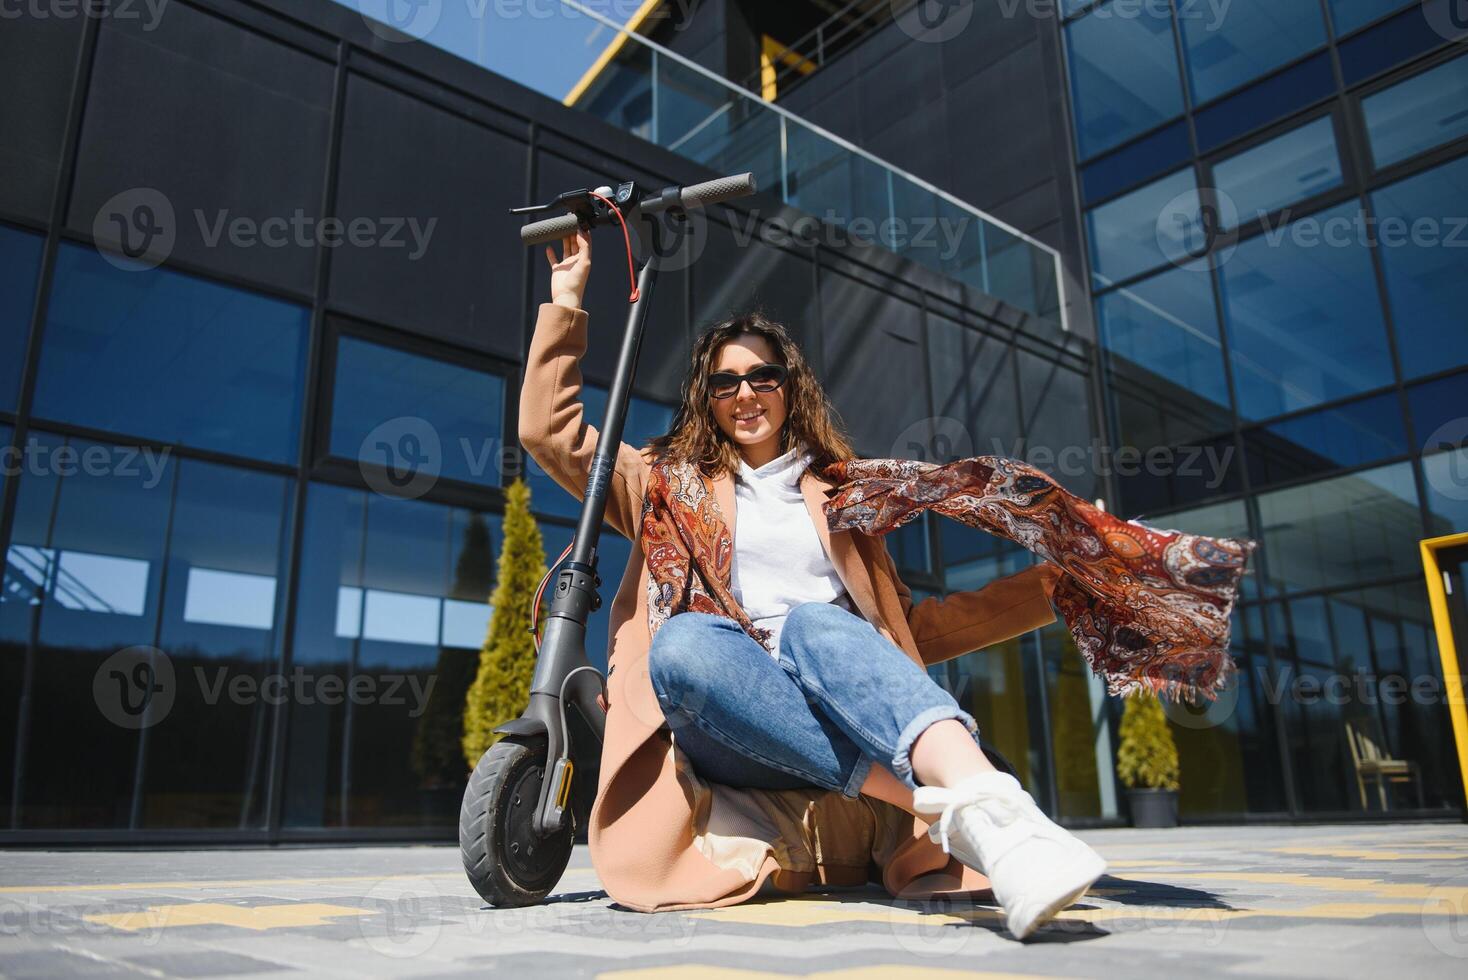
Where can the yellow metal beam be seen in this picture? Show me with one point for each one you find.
(1437, 597)
(772, 51)
(634, 23)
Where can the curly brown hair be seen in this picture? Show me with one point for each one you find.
(695, 437)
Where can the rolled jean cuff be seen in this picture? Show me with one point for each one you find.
(858, 776)
(902, 758)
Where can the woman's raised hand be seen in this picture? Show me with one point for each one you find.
(570, 273)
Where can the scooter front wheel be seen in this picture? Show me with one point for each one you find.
(508, 863)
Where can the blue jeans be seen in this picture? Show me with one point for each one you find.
(840, 697)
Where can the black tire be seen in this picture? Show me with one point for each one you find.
(508, 864)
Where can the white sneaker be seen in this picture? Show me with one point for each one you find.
(991, 824)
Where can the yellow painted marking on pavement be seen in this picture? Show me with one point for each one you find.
(883, 972)
(241, 882)
(259, 918)
(1375, 854)
(1376, 887)
(798, 913)
(220, 883)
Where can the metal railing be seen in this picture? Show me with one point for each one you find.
(669, 100)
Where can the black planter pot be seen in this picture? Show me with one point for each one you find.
(1153, 807)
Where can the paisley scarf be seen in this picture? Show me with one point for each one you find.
(1148, 608)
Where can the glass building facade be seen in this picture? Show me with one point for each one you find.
(204, 486)
(1278, 258)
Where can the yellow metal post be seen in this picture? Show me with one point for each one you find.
(1446, 647)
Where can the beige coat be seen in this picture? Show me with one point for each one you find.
(662, 837)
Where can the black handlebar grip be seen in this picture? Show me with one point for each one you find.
(719, 189)
(548, 229)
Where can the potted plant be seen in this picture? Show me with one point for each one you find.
(1146, 762)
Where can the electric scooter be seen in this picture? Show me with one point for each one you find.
(517, 826)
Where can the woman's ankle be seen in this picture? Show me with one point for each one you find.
(945, 754)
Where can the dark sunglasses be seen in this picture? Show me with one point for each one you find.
(765, 378)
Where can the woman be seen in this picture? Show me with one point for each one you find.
(825, 696)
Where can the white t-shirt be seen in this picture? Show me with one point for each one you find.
(778, 561)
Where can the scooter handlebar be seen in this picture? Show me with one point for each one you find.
(693, 196)
(717, 190)
(548, 229)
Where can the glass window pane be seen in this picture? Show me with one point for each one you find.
(908, 546)
(1337, 438)
(1144, 229)
(1123, 68)
(1261, 103)
(973, 558)
(20, 263)
(1080, 729)
(1437, 411)
(1358, 659)
(1447, 492)
(645, 419)
(1423, 244)
(1236, 735)
(1164, 367)
(1162, 151)
(147, 587)
(1342, 531)
(1304, 319)
(1226, 47)
(972, 376)
(224, 562)
(383, 395)
(393, 597)
(1168, 325)
(83, 577)
(1056, 401)
(1288, 168)
(999, 686)
(167, 356)
(1351, 14)
(1424, 111)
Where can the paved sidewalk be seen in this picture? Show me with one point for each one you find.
(1324, 901)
